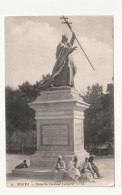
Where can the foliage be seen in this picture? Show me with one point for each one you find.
(99, 118)
(19, 117)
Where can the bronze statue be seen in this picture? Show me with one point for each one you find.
(64, 69)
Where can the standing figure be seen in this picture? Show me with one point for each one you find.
(59, 169)
(73, 168)
(64, 69)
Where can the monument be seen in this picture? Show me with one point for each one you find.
(60, 112)
(60, 131)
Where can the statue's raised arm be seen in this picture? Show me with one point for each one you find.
(72, 39)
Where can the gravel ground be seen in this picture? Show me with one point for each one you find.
(107, 170)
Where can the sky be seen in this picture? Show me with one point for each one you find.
(30, 47)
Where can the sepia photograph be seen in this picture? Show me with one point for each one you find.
(59, 101)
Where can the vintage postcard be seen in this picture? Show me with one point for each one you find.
(59, 101)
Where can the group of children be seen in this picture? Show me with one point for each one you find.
(77, 170)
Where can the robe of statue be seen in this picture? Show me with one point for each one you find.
(64, 68)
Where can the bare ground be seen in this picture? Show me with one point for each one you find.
(106, 165)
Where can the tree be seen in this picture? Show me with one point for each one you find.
(99, 119)
(109, 113)
(19, 116)
(30, 92)
(93, 115)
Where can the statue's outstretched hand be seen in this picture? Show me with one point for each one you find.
(74, 48)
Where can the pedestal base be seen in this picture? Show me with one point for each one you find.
(60, 131)
(39, 159)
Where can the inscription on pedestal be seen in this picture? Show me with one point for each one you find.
(54, 135)
(78, 134)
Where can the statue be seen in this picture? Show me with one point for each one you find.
(64, 69)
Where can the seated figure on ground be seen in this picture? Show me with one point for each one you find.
(73, 168)
(59, 169)
(94, 166)
(87, 170)
(22, 165)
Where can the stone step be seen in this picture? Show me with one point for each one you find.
(31, 172)
(42, 172)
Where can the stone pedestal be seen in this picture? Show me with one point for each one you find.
(60, 131)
